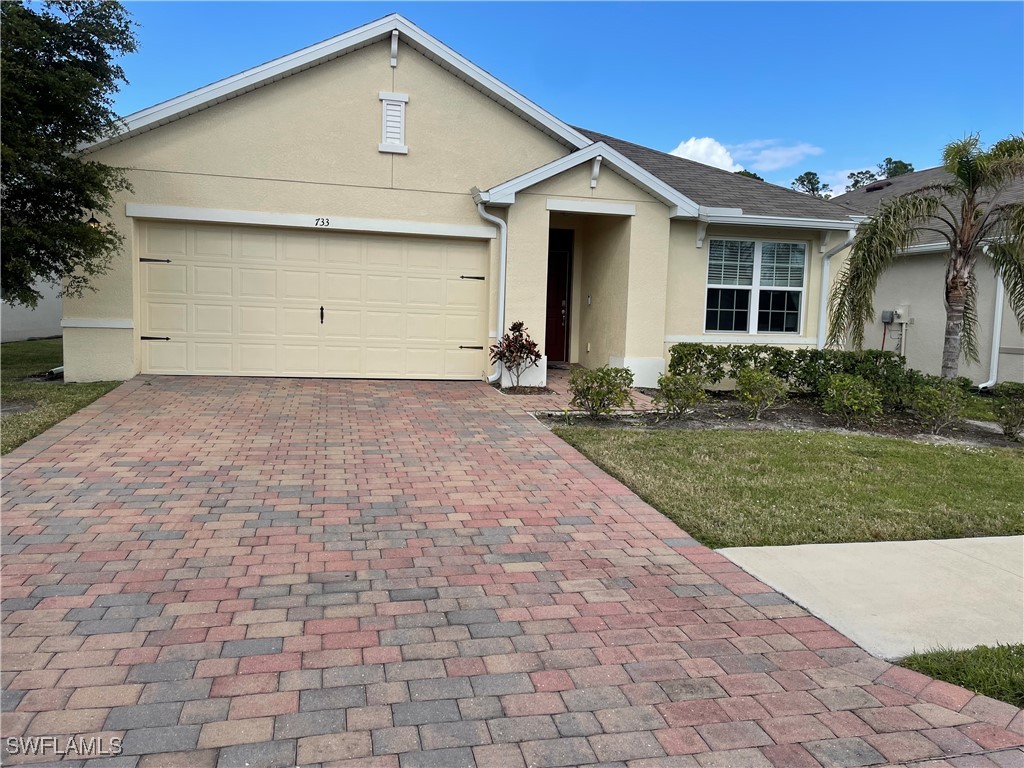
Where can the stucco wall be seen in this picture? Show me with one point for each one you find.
(308, 144)
(917, 281)
(604, 286)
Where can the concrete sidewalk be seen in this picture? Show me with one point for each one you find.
(894, 598)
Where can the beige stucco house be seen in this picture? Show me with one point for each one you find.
(378, 206)
(909, 296)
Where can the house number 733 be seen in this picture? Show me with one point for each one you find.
(321, 222)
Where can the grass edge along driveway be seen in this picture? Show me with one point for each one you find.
(738, 488)
(53, 401)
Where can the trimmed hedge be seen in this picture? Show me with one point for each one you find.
(803, 370)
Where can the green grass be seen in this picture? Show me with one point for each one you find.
(744, 488)
(996, 672)
(979, 408)
(53, 401)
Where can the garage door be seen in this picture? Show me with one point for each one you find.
(251, 301)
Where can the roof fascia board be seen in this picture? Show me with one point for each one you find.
(251, 79)
(787, 222)
(679, 204)
(925, 248)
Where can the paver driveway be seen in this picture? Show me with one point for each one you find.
(267, 572)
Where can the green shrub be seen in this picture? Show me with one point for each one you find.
(601, 391)
(679, 393)
(1009, 408)
(938, 402)
(759, 391)
(812, 369)
(778, 361)
(807, 370)
(708, 362)
(887, 372)
(851, 398)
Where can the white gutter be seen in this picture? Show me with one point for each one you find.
(997, 331)
(823, 298)
(503, 251)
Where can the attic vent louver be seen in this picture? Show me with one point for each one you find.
(877, 186)
(393, 123)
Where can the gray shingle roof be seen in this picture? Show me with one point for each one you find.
(714, 187)
(869, 197)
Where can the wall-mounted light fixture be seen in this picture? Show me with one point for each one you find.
(93, 221)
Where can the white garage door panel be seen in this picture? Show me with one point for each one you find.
(246, 301)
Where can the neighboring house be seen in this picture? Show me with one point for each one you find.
(914, 286)
(378, 206)
(18, 322)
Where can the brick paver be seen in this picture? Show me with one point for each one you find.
(229, 572)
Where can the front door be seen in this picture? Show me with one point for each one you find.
(559, 295)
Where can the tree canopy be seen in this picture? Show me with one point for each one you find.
(890, 168)
(973, 212)
(809, 183)
(748, 174)
(860, 179)
(58, 73)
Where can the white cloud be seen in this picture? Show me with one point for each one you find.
(838, 180)
(756, 155)
(708, 151)
(771, 154)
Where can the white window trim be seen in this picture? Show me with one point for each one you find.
(388, 99)
(755, 289)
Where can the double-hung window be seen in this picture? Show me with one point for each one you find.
(755, 286)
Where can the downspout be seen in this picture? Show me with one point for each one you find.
(503, 254)
(823, 300)
(997, 331)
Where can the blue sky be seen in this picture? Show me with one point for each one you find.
(778, 88)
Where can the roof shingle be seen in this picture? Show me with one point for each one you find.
(716, 188)
(868, 198)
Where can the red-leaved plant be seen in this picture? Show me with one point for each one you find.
(516, 351)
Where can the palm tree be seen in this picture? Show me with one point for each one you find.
(970, 210)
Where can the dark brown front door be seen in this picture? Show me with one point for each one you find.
(559, 295)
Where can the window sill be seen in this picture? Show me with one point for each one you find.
(394, 149)
(742, 337)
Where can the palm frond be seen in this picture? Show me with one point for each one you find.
(877, 245)
(1007, 255)
(960, 158)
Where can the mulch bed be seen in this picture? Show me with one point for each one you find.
(721, 411)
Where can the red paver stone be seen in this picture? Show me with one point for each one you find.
(382, 574)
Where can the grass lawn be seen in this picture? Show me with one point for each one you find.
(743, 488)
(996, 672)
(53, 401)
(979, 408)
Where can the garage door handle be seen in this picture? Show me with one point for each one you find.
(471, 277)
(155, 338)
(155, 261)
(461, 346)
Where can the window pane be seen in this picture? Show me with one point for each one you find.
(778, 312)
(731, 262)
(728, 309)
(782, 264)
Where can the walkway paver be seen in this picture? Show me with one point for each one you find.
(897, 597)
(229, 572)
